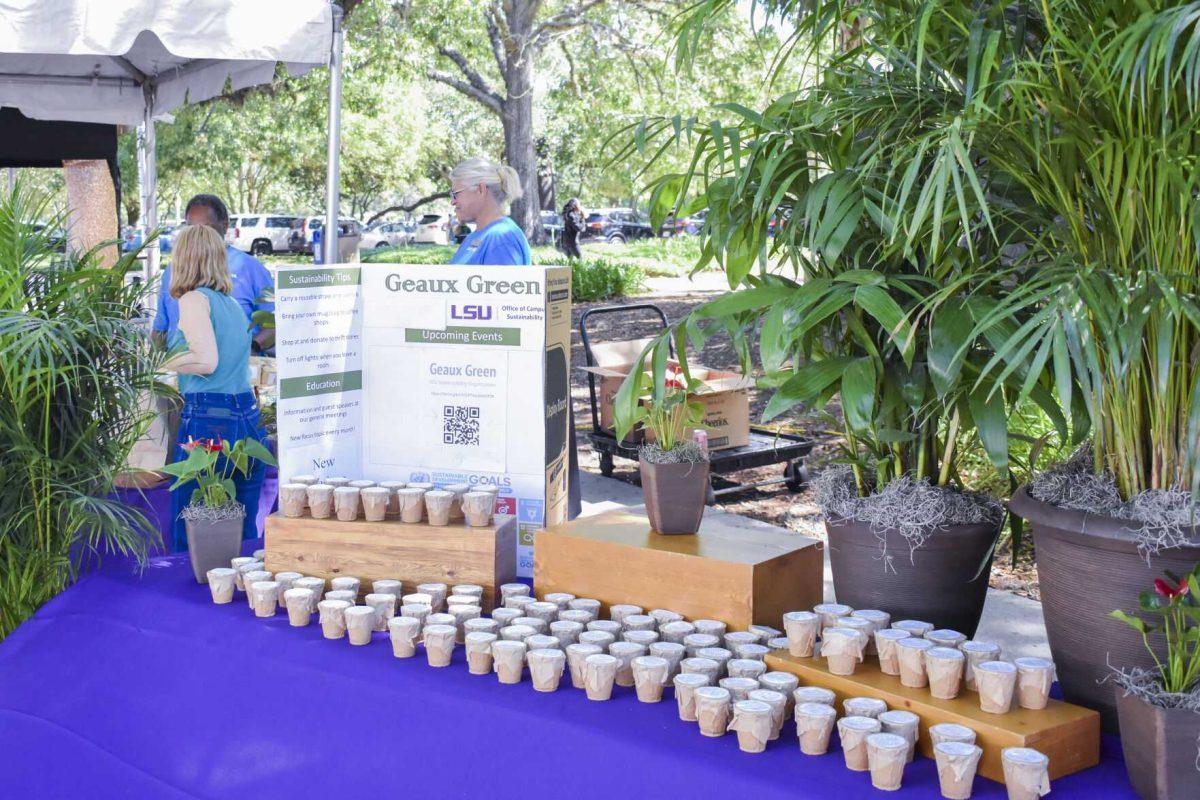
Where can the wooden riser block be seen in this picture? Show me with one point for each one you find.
(411, 553)
(1068, 734)
(740, 576)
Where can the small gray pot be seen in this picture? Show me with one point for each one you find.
(213, 543)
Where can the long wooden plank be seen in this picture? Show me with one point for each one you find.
(1068, 734)
(411, 553)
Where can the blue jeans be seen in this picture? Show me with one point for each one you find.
(225, 416)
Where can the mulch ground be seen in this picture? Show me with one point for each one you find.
(774, 504)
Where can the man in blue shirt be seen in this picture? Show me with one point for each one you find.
(250, 278)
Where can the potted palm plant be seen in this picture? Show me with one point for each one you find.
(1159, 708)
(673, 465)
(213, 516)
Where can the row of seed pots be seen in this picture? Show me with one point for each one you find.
(377, 501)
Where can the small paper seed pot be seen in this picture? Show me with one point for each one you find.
(644, 638)
(754, 652)
(902, 723)
(752, 721)
(412, 504)
(437, 593)
(566, 632)
(778, 643)
(437, 506)
(439, 619)
(285, 580)
(717, 654)
(361, 484)
(599, 675)
(375, 503)
(915, 627)
(251, 578)
(576, 656)
(977, 653)
(393, 487)
(417, 598)
(710, 627)
(830, 613)
(865, 629)
(360, 622)
(802, 628)
(950, 732)
(886, 759)
(879, 621)
(299, 606)
(601, 639)
(778, 704)
(813, 694)
(346, 583)
(606, 625)
(956, 765)
(783, 682)
(911, 652)
(673, 654)
(577, 615)
(676, 631)
(346, 502)
(685, 694)
(588, 604)
(307, 480)
(1034, 676)
(333, 618)
(764, 632)
(462, 615)
(814, 724)
(418, 611)
(463, 600)
(478, 645)
(293, 499)
(619, 611)
(745, 668)
(996, 681)
(738, 688)
(864, 707)
(853, 731)
(439, 644)
(389, 586)
(349, 596)
(221, 582)
(638, 622)
(481, 625)
(403, 633)
(424, 486)
(384, 606)
(1026, 773)
(885, 647)
(625, 653)
(649, 675)
(265, 598)
(713, 708)
(508, 660)
(944, 669)
(518, 602)
(842, 649)
(508, 590)
(315, 585)
(468, 590)
(710, 669)
(538, 625)
(698, 641)
(459, 490)
(546, 668)
(245, 568)
(541, 641)
(237, 563)
(734, 638)
(547, 612)
(944, 637)
(505, 616)
(320, 500)
(662, 616)
(477, 508)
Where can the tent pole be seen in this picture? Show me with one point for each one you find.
(329, 235)
(149, 183)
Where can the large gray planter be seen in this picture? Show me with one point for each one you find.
(213, 543)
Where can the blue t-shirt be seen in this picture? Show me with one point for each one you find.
(501, 243)
(232, 375)
(250, 280)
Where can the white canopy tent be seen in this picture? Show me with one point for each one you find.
(130, 62)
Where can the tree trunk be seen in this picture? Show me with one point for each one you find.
(519, 152)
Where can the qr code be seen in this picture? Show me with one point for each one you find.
(460, 425)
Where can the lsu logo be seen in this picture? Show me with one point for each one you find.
(476, 312)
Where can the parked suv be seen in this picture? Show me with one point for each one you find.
(386, 234)
(615, 225)
(263, 234)
(300, 240)
(433, 229)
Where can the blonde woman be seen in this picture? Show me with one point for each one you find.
(213, 362)
(481, 192)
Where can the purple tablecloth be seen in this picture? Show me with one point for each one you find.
(138, 686)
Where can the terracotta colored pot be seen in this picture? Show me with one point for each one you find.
(1160, 748)
(674, 495)
(1089, 565)
(941, 581)
(212, 544)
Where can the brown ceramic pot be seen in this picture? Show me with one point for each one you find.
(674, 495)
(1089, 565)
(941, 581)
(1160, 748)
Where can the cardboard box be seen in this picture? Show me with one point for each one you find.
(724, 395)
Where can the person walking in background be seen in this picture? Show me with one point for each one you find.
(572, 215)
(251, 280)
(213, 362)
(481, 192)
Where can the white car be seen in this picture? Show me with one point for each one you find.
(385, 234)
(432, 229)
(263, 234)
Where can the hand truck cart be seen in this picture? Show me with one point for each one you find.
(765, 447)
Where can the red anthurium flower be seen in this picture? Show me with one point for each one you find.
(1166, 590)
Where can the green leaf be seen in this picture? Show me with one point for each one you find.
(887, 312)
(858, 394)
(807, 382)
(949, 338)
(1136, 623)
(991, 422)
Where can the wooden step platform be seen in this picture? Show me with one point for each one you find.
(1068, 734)
(407, 552)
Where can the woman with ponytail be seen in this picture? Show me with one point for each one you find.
(481, 193)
